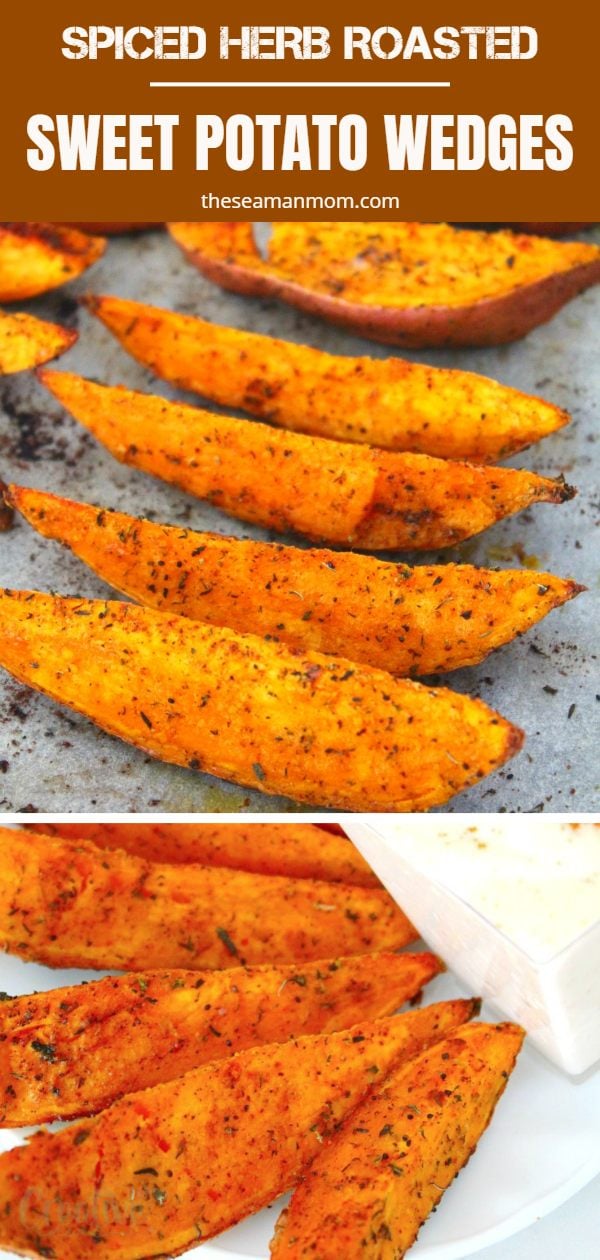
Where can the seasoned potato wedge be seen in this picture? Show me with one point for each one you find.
(389, 403)
(319, 729)
(25, 341)
(169, 1167)
(415, 621)
(35, 257)
(406, 284)
(70, 904)
(73, 1051)
(376, 1180)
(298, 850)
(329, 491)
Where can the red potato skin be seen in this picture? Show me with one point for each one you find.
(491, 322)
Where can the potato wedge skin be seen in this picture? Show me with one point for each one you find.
(374, 1183)
(389, 403)
(320, 729)
(123, 912)
(36, 257)
(131, 1032)
(329, 491)
(199, 1153)
(424, 620)
(298, 850)
(26, 342)
(225, 253)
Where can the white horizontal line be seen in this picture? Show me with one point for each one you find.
(261, 83)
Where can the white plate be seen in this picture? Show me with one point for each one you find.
(541, 1148)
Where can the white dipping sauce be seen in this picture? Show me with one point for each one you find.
(535, 879)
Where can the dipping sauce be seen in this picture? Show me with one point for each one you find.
(535, 879)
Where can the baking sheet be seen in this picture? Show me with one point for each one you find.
(547, 682)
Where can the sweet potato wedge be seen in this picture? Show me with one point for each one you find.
(73, 1051)
(25, 341)
(317, 728)
(35, 257)
(409, 621)
(375, 1182)
(169, 1167)
(389, 403)
(329, 491)
(68, 903)
(298, 850)
(406, 284)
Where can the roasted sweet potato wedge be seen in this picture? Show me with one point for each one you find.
(389, 403)
(25, 342)
(374, 1183)
(169, 1167)
(298, 850)
(329, 491)
(68, 903)
(319, 729)
(406, 284)
(410, 621)
(35, 257)
(73, 1051)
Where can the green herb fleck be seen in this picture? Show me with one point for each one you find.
(230, 945)
(45, 1050)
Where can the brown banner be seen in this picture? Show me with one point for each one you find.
(497, 119)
